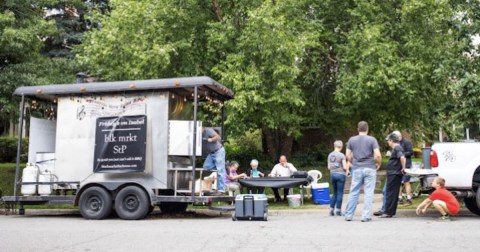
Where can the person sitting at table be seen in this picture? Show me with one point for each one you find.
(282, 169)
(255, 172)
(231, 178)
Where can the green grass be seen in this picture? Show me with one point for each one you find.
(7, 177)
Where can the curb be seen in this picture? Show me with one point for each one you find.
(213, 213)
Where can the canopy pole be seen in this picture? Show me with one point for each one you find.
(224, 138)
(19, 145)
(194, 154)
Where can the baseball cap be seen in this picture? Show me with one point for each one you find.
(393, 137)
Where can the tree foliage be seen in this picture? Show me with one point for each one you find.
(399, 61)
(148, 39)
(36, 38)
(328, 64)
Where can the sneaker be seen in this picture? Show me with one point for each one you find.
(348, 219)
(408, 202)
(401, 201)
(378, 213)
(338, 213)
(444, 218)
(386, 216)
(366, 220)
(331, 212)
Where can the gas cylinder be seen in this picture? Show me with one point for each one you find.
(45, 190)
(30, 174)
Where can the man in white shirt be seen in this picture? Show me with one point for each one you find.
(282, 169)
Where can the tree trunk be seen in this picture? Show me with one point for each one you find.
(278, 142)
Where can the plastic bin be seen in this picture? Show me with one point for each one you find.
(294, 200)
(321, 193)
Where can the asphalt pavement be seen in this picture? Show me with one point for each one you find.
(286, 230)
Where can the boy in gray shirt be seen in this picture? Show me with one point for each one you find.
(338, 166)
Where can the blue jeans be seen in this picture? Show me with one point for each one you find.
(216, 161)
(338, 184)
(384, 193)
(361, 176)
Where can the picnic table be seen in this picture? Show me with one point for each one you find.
(274, 182)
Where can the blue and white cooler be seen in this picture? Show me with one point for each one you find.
(321, 193)
(250, 207)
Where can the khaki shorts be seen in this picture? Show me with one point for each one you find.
(442, 204)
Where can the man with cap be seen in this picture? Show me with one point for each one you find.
(395, 171)
(407, 151)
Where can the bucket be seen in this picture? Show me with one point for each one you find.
(294, 200)
(321, 193)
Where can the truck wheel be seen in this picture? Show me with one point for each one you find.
(173, 207)
(132, 203)
(473, 204)
(95, 203)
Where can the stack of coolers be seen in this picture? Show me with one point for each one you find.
(250, 207)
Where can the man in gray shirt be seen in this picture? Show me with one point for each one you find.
(364, 155)
(216, 156)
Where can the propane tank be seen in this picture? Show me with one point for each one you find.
(30, 174)
(45, 190)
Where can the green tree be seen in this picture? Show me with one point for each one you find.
(466, 87)
(399, 62)
(264, 71)
(21, 31)
(148, 39)
(35, 47)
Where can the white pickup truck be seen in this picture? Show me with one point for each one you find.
(459, 164)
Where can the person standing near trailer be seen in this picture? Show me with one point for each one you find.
(408, 152)
(215, 160)
(363, 153)
(338, 166)
(395, 171)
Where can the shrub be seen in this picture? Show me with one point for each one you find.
(315, 157)
(8, 149)
(245, 148)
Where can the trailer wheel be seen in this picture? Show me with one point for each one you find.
(95, 203)
(132, 203)
(173, 207)
(473, 204)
